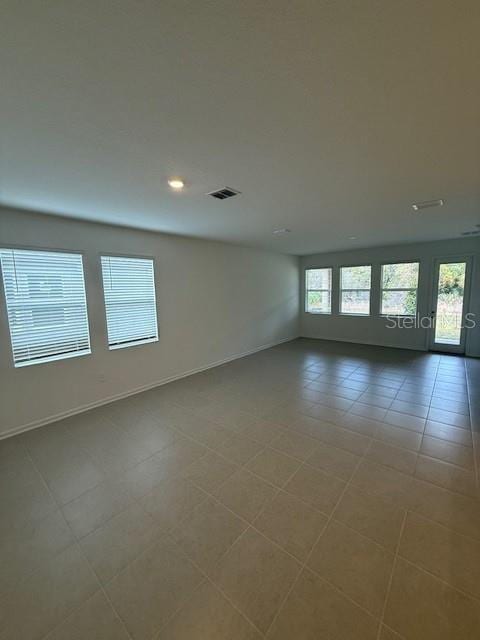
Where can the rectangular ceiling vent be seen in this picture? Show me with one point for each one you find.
(416, 206)
(223, 194)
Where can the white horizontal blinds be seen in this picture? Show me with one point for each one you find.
(46, 305)
(129, 289)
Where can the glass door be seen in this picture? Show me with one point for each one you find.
(449, 305)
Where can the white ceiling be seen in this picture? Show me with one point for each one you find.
(331, 117)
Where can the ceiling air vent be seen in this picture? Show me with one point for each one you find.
(223, 194)
(416, 206)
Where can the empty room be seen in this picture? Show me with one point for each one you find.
(240, 320)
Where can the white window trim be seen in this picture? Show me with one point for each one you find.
(341, 290)
(55, 357)
(141, 341)
(123, 345)
(307, 291)
(382, 289)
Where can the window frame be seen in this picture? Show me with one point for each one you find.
(135, 343)
(307, 290)
(382, 289)
(341, 290)
(3, 295)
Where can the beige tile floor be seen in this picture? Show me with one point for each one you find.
(314, 490)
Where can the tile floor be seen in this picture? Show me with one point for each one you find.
(314, 490)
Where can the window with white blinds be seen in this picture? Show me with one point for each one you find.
(46, 305)
(129, 289)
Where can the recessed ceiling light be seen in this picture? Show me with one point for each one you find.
(176, 183)
(352, 237)
(416, 206)
(280, 231)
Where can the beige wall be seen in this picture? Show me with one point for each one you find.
(373, 329)
(215, 301)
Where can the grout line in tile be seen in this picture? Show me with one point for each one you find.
(208, 579)
(389, 585)
(427, 482)
(82, 552)
(307, 559)
(179, 608)
(400, 636)
(464, 592)
(161, 534)
(251, 525)
(322, 442)
(77, 609)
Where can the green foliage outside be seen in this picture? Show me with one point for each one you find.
(400, 276)
(452, 279)
(399, 293)
(451, 287)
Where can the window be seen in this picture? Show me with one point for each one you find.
(46, 305)
(318, 290)
(399, 289)
(129, 289)
(355, 283)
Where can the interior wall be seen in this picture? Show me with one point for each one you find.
(215, 301)
(374, 329)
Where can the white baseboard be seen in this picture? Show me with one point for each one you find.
(98, 403)
(370, 343)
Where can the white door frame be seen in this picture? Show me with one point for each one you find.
(450, 348)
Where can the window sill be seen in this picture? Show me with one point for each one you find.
(356, 315)
(397, 315)
(137, 343)
(319, 313)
